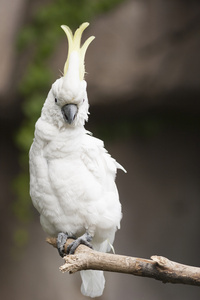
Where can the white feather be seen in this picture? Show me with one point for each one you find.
(93, 283)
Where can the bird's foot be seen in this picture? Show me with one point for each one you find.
(61, 240)
(85, 239)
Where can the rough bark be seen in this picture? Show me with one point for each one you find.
(158, 267)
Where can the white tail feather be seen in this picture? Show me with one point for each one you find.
(93, 283)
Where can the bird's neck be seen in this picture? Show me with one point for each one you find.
(72, 132)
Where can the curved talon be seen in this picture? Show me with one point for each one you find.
(85, 239)
(61, 241)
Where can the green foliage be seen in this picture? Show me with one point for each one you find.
(39, 38)
(21, 207)
(20, 238)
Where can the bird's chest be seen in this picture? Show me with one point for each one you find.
(68, 179)
(61, 148)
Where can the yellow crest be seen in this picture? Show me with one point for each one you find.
(74, 44)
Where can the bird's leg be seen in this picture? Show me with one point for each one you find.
(84, 239)
(61, 240)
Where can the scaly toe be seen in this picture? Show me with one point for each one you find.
(84, 239)
(61, 240)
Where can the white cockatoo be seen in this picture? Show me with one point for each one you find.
(72, 177)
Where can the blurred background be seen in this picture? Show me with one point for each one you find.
(144, 89)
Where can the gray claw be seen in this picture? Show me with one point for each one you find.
(85, 239)
(61, 240)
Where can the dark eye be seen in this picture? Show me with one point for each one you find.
(56, 100)
(83, 100)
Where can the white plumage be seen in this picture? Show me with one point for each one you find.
(72, 177)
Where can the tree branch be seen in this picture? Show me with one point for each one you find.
(158, 267)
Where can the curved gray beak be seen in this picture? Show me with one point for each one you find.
(69, 112)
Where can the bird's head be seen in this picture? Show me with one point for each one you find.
(67, 102)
